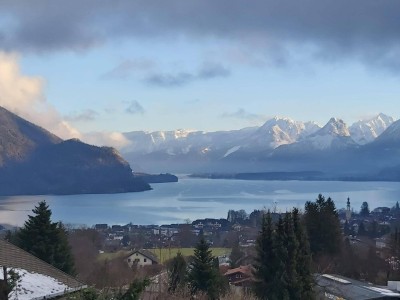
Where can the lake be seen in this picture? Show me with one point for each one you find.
(194, 198)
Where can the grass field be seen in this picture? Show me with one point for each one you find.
(113, 255)
(165, 253)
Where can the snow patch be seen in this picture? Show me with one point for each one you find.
(232, 150)
(383, 291)
(33, 285)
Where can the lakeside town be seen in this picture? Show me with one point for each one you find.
(367, 250)
(374, 225)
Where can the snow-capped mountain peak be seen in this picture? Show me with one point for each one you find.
(366, 131)
(335, 127)
(281, 131)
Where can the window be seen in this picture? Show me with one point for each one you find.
(144, 260)
(129, 260)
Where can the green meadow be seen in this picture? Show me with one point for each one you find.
(164, 254)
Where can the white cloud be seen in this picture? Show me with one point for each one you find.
(114, 139)
(24, 95)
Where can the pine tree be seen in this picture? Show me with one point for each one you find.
(263, 266)
(292, 245)
(63, 258)
(364, 211)
(282, 264)
(45, 239)
(323, 227)
(176, 272)
(280, 282)
(303, 258)
(203, 276)
(236, 254)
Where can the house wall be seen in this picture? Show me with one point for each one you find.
(232, 278)
(139, 259)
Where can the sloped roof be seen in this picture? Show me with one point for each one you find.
(145, 253)
(352, 289)
(242, 269)
(13, 257)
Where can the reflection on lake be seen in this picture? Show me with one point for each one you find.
(193, 198)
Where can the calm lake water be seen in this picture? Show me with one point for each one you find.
(196, 198)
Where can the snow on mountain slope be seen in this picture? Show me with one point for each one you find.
(184, 142)
(309, 128)
(232, 150)
(366, 131)
(335, 134)
(335, 127)
(272, 134)
(146, 142)
(279, 131)
(391, 134)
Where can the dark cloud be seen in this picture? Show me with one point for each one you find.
(135, 108)
(364, 29)
(244, 115)
(169, 80)
(211, 70)
(127, 67)
(83, 116)
(207, 71)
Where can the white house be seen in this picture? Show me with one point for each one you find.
(141, 258)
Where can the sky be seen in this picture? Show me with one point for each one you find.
(92, 69)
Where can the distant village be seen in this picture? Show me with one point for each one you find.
(363, 225)
(151, 247)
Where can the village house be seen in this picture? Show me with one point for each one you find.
(141, 258)
(241, 276)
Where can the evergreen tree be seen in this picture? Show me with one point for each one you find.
(203, 276)
(264, 260)
(63, 258)
(323, 227)
(281, 279)
(135, 290)
(303, 259)
(176, 272)
(282, 263)
(292, 245)
(364, 212)
(46, 240)
(236, 254)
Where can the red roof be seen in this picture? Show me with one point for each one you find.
(242, 269)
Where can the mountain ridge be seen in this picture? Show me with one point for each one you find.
(280, 144)
(37, 162)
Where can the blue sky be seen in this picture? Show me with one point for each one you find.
(93, 69)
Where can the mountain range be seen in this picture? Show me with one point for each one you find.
(35, 161)
(367, 149)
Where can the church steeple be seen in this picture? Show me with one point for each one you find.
(348, 211)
